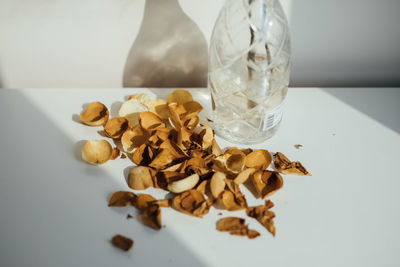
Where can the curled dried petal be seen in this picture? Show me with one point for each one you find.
(130, 110)
(143, 201)
(132, 139)
(160, 107)
(184, 184)
(258, 159)
(140, 178)
(285, 166)
(236, 226)
(180, 96)
(190, 122)
(96, 114)
(267, 182)
(192, 108)
(215, 149)
(207, 136)
(96, 151)
(150, 121)
(143, 99)
(115, 153)
(217, 184)
(244, 175)
(122, 199)
(192, 202)
(151, 216)
(115, 127)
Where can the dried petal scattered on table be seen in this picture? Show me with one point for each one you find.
(130, 110)
(151, 216)
(143, 201)
(140, 178)
(285, 166)
(115, 153)
(184, 184)
(258, 159)
(132, 139)
(122, 242)
(236, 226)
(263, 215)
(267, 182)
(96, 151)
(244, 175)
(122, 199)
(96, 114)
(192, 202)
(180, 96)
(217, 184)
(115, 127)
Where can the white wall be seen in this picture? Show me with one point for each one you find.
(75, 43)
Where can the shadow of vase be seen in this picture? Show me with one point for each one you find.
(169, 51)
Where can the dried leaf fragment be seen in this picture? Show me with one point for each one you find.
(122, 242)
(96, 114)
(143, 201)
(267, 182)
(115, 127)
(285, 166)
(258, 159)
(151, 216)
(122, 199)
(140, 178)
(96, 151)
(132, 139)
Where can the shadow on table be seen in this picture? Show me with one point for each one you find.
(381, 104)
(54, 206)
(169, 51)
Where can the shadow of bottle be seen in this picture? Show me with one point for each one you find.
(169, 51)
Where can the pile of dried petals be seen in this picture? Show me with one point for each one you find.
(174, 152)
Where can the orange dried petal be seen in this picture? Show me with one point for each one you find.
(96, 114)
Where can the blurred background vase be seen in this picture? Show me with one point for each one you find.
(169, 51)
(249, 68)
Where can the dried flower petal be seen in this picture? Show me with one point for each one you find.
(115, 127)
(122, 242)
(217, 184)
(207, 136)
(267, 182)
(132, 139)
(151, 216)
(244, 175)
(263, 215)
(165, 203)
(285, 166)
(115, 153)
(190, 122)
(184, 184)
(150, 121)
(174, 118)
(96, 114)
(179, 96)
(160, 107)
(143, 99)
(236, 226)
(215, 149)
(258, 159)
(192, 108)
(202, 187)
(96, 152)
(143, 201)
(122, 199)
(130, 110)
(192, 202)
(140, 178)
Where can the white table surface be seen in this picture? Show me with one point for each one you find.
(53, 206)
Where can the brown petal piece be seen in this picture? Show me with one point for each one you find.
(130, 110)
(236, 226)
(143, 99)
(235, 162)
(122, 242)
(192, 202)
(151, 216)
(140, 178)
(115, 153)
(96, 114)
(217, 184)
(122, 199)
(96, 151)
(192, 108)
(180, 96)
(263, 215)
(174, 118)
(150, 121)
(160, 107)
(207, 136)
(258, 159)
(285, 166)
(267, 182)
(132, 139)
(115, 127)
(184, 184)
(244, 175)
(190, 122)
(143, 201)
(215, 149)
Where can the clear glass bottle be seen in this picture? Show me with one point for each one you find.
(249, 68)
